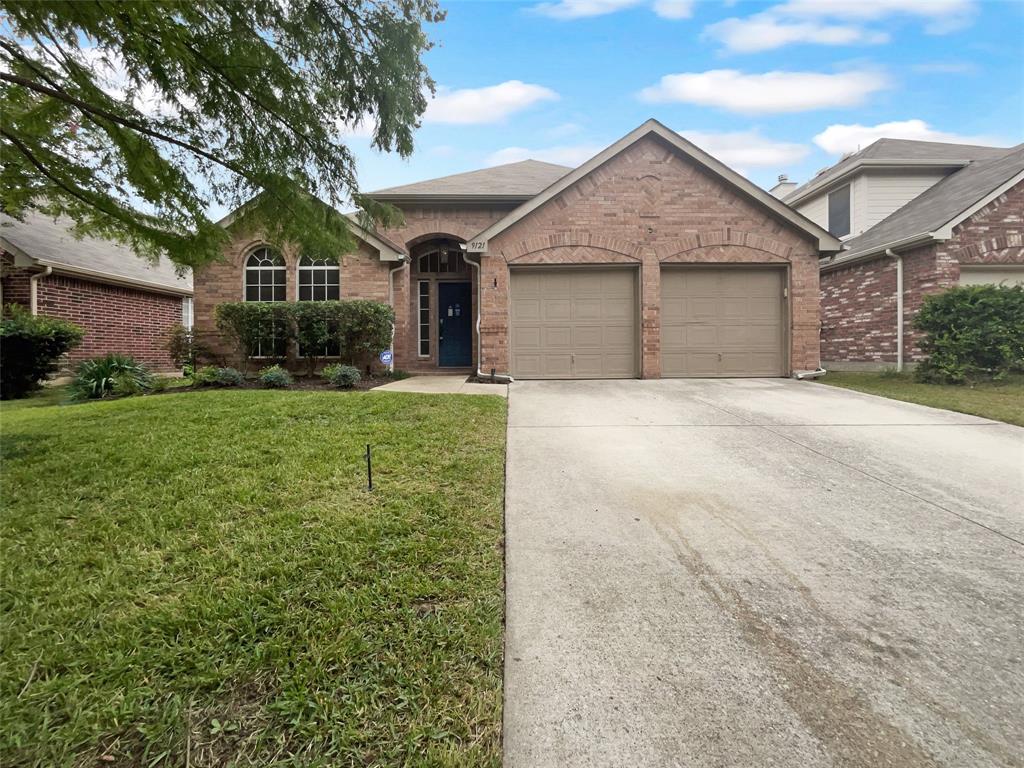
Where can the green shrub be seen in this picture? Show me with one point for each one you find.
(342, 376)
(972, 332)
(210, 376)
(184, 346)
(30, 349)
(110, 375)
(275, 377)
(256, 328)
(356, 329)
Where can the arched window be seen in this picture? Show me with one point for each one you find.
(319, 279)
(265, 276)
(440, 257)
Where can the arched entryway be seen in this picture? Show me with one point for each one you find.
(443, 304)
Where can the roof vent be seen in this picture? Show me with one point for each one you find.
(783, 178)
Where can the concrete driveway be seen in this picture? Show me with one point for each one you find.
(760, 573)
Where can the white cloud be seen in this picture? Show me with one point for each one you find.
(946, 67)
(765, 32)
(941, 15)
(583, 9)
(769, 92)
(571, 155)
(840, 139)
(363, 128)
(673, 9)
(748, 149)
(491, 104)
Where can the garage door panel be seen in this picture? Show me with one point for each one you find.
(586, 320)
(721, 321)
(556, 336)
(587, 337)
(556, 309)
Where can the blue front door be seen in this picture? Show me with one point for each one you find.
(455, 325)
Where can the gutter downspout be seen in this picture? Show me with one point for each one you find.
(33, 292)
(391, 300)
(899, 307)
(505, 379)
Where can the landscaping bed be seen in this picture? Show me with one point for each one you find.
(999, 400)
(206, 580)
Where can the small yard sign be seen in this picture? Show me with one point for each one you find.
(386, 357)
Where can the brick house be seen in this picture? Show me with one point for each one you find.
(651, 259)
(915, 218)
(124, 303)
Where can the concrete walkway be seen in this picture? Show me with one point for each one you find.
(760, 573)
(452, 385)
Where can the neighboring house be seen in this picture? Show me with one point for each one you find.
(915, 218)
(651, 259)
(124, 303)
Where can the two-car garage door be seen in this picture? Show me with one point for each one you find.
(583, 322)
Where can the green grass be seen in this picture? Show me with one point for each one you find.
(203, 579)
(1001, 401)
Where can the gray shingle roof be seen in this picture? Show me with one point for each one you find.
(52, 242)
(896, 150)
(941, 203)
(515, 180)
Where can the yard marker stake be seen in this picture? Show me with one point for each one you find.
(369, 469)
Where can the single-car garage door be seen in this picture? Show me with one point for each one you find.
(724, 321)
(575, 323)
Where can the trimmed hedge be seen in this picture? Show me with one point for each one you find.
(30, 349)
(354, 330)
(972, 332)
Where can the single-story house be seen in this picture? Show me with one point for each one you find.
(915, 218)
(651, 259)
(124, 303)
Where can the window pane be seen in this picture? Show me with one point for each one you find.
(333, 292)
(839, 212)
(278, 293)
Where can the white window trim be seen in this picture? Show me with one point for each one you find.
(299, 267)
(262, 268)
(828, 213)
(419, 322)
(187, 313)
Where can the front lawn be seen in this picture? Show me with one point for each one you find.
(1002, 401)
(203, 579)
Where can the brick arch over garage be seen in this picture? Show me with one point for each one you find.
(573, 243)
(712, 245)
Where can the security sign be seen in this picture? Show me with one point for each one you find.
(386, 357)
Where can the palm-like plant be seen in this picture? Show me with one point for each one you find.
(110, 375)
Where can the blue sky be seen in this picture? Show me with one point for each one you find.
(768, 88)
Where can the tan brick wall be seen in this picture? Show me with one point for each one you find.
(422, 223)
(363, 276)
(650, 206)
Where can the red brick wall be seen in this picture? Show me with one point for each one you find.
(117, 319)
(993, 235)
(363, 276)
(858, 303)
(649, 205)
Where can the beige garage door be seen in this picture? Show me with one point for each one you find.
(574, 323)
(722, 322)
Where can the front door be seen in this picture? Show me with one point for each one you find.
(455, 325)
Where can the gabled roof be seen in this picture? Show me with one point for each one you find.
(42, 240)
(896, 153)
(933, 214)
(388, 249)
(513, 182)
(780, 210)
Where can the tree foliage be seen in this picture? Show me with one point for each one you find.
(135, 117)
